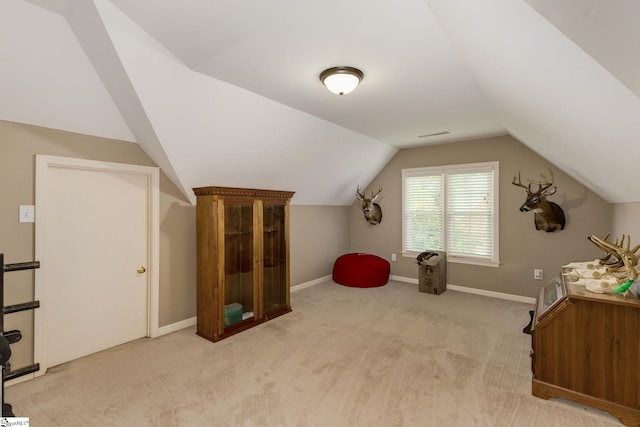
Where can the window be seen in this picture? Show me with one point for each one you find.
(453, 209)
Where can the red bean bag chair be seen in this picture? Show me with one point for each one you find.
(360, 270)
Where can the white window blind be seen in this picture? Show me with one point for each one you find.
(423, 210)
(452, 209)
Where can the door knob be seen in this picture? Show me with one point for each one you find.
(141, 269)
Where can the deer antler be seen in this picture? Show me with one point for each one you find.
(627, 259)
(374, 195)
(362, 196)
(606, 259)
(517, 181)
(544, 184)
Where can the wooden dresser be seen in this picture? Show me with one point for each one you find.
(586, 348)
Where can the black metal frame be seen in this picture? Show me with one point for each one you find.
(10, 337)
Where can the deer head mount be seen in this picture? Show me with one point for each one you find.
(372, 211)
(548, 216)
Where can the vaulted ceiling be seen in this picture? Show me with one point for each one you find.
(226, 92)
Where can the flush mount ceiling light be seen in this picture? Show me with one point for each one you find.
(341, 80)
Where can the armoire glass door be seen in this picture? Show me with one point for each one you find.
(275, 257)
(238, 256)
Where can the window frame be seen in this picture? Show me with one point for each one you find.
(445, 170)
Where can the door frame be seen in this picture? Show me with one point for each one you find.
(43, 164)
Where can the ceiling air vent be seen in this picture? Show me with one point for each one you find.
(434, 134)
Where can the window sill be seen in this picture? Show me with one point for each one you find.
(459, 260)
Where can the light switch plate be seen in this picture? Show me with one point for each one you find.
(27, 213)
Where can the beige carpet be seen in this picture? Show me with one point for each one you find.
(388, 356)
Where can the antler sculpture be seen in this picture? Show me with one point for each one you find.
(610, 257)
(615, 272)
(618, 258)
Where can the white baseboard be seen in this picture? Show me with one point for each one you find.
(164, 330)
(192, 321)
(510, 297)
(483, 292)
(311, 283)
(20, 379)
(403, 279)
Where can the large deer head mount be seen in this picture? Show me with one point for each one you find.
(548, 216)
(372, 211)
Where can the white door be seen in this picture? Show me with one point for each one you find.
(94, 226)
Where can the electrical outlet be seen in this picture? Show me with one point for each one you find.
(393, 257)
(537, 274)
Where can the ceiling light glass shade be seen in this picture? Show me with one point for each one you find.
(341, 80)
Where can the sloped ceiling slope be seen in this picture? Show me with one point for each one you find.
(550, 93)
(220, 134)
(44, 69)
(226, 92)
(213, 133)
(415, 83)
(609, 34)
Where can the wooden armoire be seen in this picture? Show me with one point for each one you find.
(242, 258)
